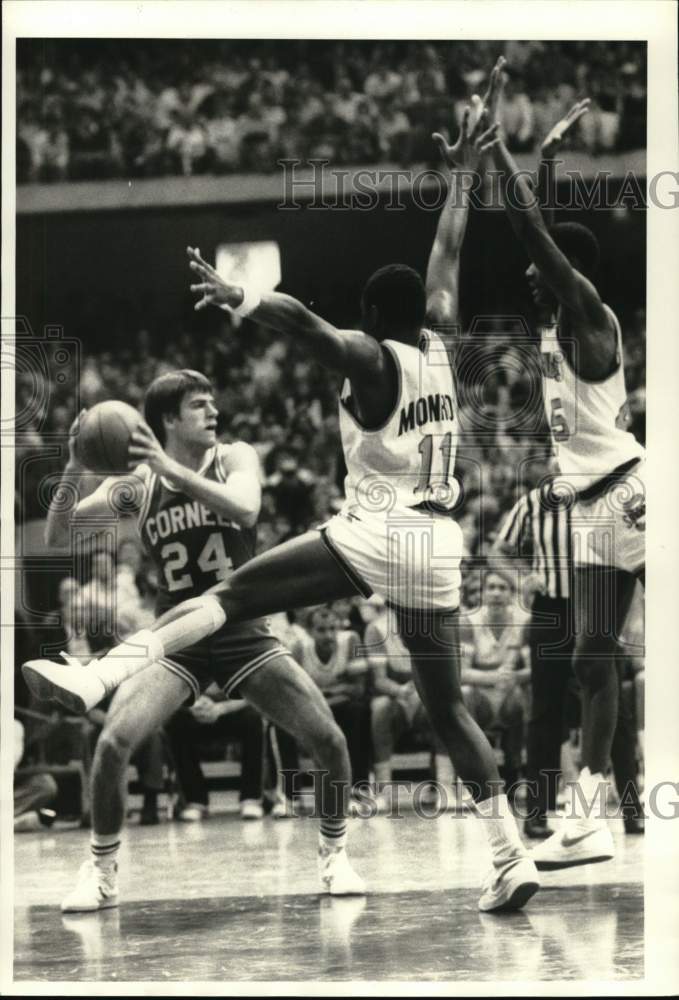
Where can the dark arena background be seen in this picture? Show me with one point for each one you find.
(127, 152)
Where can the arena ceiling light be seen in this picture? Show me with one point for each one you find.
(256, 264)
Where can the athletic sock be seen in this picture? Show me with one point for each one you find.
(123, 661)
(589, 799)
(333, 833)
(501, 830)
(104, 848)
(382, 774)
(204, 617)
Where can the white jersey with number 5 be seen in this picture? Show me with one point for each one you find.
(587, 419)
(410, 458)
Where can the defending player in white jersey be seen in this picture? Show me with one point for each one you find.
(394, 534)
(602, 467)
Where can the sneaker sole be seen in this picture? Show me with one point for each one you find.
(47, 690)
(553, 866)
(106, 904)
(518, 899)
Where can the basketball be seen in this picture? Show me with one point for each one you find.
(104, 436)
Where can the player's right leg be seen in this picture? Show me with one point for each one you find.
(283, 692)
(602, 598)
(140, 706)
(433, 641)
(296, 574)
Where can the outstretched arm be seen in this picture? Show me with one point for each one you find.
(348, 352)
(570, 287)
(443, 269)
(550, 147)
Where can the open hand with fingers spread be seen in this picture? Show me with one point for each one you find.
(476, 132)
(556, 134)
(212, 289)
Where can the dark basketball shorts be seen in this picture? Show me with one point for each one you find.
(227, 657)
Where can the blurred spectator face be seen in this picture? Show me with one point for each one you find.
(342, 609)
(102, 567)
(275, 434)
(282, 527)
(287, 465)
(323, 627)
(60, 419)
(130, 556)
(472, 589)
(68, 592)
(497, 592)
(255, 105)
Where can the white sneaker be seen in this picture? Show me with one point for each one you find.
(509, 887)
(251, 809)
(336, 874)
(96, 889)
(282, 808)
(73, 685)
(574, 844)
(193, 812)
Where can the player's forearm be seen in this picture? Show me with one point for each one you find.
(444, 260)
(240, 505)
(477, 678)
(519, 200)
(527, 222)
(73, 486)
(547, 187)
(287, 315)
(384, 685)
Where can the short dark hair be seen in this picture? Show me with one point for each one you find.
(165, 394)
(579, 244)
(398, 293)
(322, 612)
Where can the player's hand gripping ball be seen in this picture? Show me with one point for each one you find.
(103, 436)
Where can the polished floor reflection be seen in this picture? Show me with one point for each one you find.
(225, 900)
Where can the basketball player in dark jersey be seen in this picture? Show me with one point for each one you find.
(197, 504)
(398, 417)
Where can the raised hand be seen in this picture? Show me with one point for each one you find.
(555, 136)
(496, 82)
(213, 289)
(471, 143)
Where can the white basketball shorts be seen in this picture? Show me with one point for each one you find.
(610, 530)
(408, 557)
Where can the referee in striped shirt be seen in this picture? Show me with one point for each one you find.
(538, 528)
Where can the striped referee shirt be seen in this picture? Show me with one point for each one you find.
(539, 526)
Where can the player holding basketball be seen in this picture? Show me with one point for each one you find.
(601, 466)
(198, 503)
(394, 535)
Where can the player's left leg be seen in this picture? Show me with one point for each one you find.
(601, 598)
(433, 641)
(140, 707)
(296, 574)
(283, 692)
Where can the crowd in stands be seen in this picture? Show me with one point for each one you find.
(96, 109)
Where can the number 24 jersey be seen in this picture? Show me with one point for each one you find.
(191, 546)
